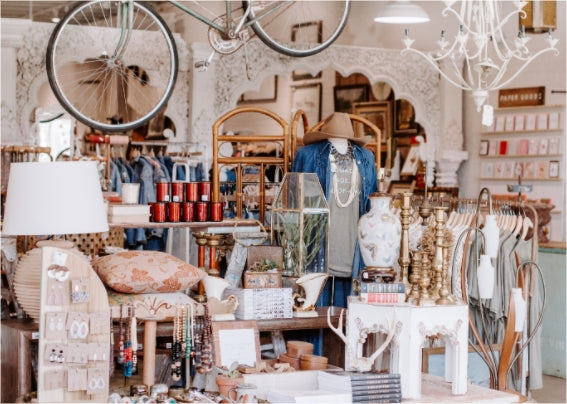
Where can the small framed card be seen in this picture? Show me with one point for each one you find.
(533, 147)
(500, 123)
(519, 122)
(530, 123)
(543, 146)
(509, 169)
(483, 149)
(542, 168)
(503, 148)
(493, 148)
(553, 122)
(509, 124)
(518, 169)
(488, 170)
(523, 146)
(554, 169)
(499, 170)
(529, 169)
(541, 121)
(553, 147)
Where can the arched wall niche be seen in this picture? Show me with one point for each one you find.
(409, 76)
(31, 75)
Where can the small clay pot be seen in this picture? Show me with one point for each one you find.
(313, 362)
(293, 362)
(297, 348)
(225, 383)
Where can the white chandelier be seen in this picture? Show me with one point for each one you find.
(480, 59)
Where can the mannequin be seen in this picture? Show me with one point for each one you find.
(340, 161)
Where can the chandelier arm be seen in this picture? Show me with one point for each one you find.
(435, 65)
(521, 69)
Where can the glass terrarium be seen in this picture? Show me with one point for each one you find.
(300, 224)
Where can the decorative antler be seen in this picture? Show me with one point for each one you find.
(361, 364)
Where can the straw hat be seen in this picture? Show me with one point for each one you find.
(337, 125)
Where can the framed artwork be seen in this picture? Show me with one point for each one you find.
(554, 169)
(346, 96)
(377, 112)
(405, 124)
(310, 32)
(236, 341)
(307, 98)
(398, 187)
(268, 92)
(411, 163)
(483, 149)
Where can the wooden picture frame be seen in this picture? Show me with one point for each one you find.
(268, 92)
(236, 341)
(346, 96)
(310, 32)
(377, 112)
(398, 187)
(483, 148)
(404, 118)
(307, 97)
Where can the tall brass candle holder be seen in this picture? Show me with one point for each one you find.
(445, 296)
(425, 281)
(413, 294)
(437, 262)
(404, 259)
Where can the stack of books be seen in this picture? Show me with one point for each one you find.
(388, 293)
(364, 387)
(137, 214)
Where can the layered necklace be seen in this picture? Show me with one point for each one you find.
(339, 160)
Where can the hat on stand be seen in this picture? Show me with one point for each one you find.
(337, 125)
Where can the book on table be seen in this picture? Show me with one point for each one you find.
(358, 382)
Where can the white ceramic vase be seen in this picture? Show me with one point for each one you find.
(312, 284)
(214, 286)
(379, 233)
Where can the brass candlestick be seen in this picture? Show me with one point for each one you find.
(445, 296)
(404, 259)
(201, 240)
(413, 294)
(213, 242)
(437, 262)
(424, 281)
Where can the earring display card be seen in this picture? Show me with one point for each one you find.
(74, 331)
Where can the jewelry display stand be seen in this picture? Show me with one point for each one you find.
(74, 341)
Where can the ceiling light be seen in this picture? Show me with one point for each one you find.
(401, 12)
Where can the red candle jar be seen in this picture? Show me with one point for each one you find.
(158, 212)
(205, 191)
(177, 191)
(202, 211)
(192, 191)
(188, 210)
(162, 192)
(174, 211)
(216, 211)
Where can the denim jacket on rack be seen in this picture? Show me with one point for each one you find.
(314, 158)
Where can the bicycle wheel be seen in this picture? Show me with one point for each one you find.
(298, 28)
(106, 89)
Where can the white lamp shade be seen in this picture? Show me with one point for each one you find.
(54, 198)
(401, 12)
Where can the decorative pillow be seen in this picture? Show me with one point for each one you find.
(146, 272)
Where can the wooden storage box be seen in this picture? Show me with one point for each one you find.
(253, 280)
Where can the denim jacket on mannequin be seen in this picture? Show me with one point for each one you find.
(314, 158)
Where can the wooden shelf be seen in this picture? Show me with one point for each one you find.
(522, 132)
(484, 156)
(528, 107)
(524, 180)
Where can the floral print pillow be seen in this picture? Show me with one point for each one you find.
(146, 272)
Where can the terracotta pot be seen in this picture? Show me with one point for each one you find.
(297, 348)
(225, 383)
(313, 362)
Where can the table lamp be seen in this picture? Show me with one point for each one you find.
(55, 198)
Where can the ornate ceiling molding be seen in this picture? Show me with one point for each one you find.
(409, 76)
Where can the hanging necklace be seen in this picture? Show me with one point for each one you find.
(121, 340)
(342, 160)
(127, 365)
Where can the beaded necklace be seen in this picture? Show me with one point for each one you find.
(176, 347)
(342, 160)
(121, 340)
(127, 365)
